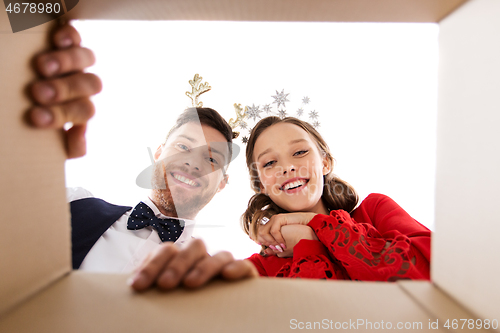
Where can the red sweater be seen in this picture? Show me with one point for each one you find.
(379, 241)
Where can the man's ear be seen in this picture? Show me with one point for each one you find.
(158, 152)
(223, 183)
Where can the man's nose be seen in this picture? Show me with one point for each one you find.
(192, 164)
(194, 160)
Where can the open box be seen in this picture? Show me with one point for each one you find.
(39, 292)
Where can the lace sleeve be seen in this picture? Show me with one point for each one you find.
(365, 253)
(311, 260)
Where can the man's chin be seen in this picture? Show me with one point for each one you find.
(184, 194)
(187, 203)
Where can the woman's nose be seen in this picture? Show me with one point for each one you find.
(289, 168)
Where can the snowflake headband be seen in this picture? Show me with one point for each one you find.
(252, 113)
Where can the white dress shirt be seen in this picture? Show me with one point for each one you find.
(120, 250)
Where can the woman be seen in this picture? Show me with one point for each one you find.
(305, 217)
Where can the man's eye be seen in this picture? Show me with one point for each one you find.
(268, 164)
(183, 147)
(300, 152)
(213, 160)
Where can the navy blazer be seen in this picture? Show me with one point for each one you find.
(90, 218)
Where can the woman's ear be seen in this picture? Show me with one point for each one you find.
(262, 189)
(327, 166)
(158, 152)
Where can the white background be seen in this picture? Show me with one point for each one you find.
(374, 86)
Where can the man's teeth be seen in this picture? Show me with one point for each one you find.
(184, 180)
(294, 184)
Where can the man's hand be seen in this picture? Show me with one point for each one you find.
(62, 93)
(169, 267)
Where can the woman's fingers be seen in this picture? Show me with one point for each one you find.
(270, 234)
(277, 222)
(264, 237)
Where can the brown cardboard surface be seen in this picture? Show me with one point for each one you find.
(465, 244)
(83, 302)
(269, 10)
(442, 306)
(34, 238)
(35, 231)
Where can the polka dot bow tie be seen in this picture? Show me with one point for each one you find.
(142, 216)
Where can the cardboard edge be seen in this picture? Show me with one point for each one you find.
(35, 291)
(451, 10)
(440, 305)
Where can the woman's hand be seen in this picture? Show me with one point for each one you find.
(62, 93)
(270, 233)
(293, 233)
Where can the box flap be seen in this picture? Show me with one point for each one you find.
(35, 237)
(269, 10)
(465, 246)
(447, 311)
(83, 302)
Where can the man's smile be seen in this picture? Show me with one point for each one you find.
(184, 179)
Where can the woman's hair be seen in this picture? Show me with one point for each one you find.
(337, 194)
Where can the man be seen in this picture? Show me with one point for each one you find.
(63, 96)
(190, 169)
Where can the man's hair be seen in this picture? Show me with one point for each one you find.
(209, 117)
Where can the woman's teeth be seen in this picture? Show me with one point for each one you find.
(294, 184)
(184, 180)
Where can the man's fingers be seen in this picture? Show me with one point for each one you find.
(64, 61)
(152, 267)
(77, 112)
(207, 268)
(66, 36)
(65, 89)
(76, 144)
(239, 269)
(181, 264)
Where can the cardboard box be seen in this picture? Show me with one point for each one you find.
(40, 293)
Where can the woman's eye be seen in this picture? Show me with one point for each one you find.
(268, 164)
(300, 152)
